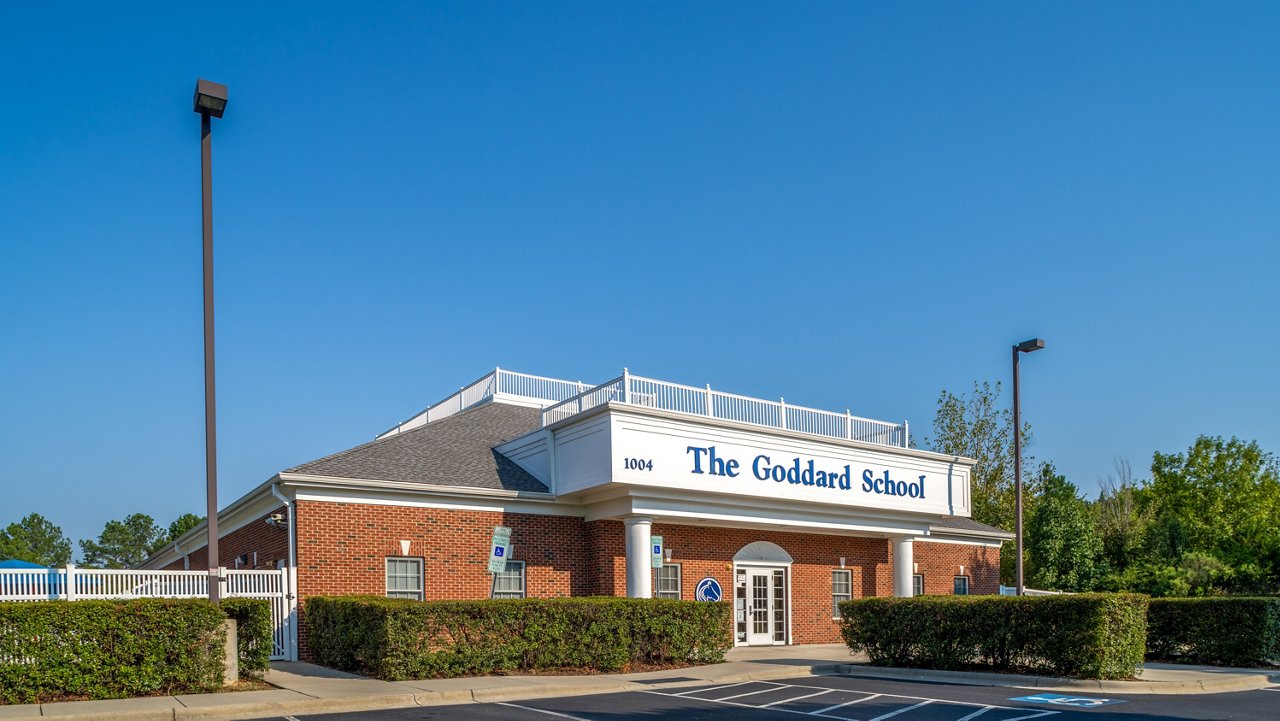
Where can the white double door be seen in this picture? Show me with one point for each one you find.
(766, 606)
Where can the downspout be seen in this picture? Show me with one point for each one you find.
(186, 562)
(292, 567)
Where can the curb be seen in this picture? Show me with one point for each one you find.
(1238, 682)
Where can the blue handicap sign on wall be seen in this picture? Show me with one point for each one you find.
(708, 589)
(1057, 699)
(498, 551)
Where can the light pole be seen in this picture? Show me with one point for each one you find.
(210, 101)
(1026, 346)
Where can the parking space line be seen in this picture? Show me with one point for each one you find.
(903, 710)
(751, 693)
(714, 688)
(821, 711)
(542, 710)
(976, 714)
(1034, 715)
(797, 698)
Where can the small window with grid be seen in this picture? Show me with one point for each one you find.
(509, 583)
(404, 578)
(667, 581)
(917, 584)
(841, 590)
(962, 586)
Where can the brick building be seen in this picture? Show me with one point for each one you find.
(634, 487)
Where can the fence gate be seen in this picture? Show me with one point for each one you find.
(271, 586)
(76, 584)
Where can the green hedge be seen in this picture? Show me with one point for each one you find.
(397, 639)
(254, 634)
(1089, 635)
(53, 650)
(1225, 631)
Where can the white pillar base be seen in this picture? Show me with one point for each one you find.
(903, 567)
(639, 560)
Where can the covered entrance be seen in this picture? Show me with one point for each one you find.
(762, 595)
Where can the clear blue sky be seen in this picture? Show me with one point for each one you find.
(845, 204)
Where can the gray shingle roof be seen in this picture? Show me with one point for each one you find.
(960, 523)
(454, 451)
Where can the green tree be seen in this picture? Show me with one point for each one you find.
(975, 426)
(181, 525)
(1221, 498)
(123, 544)
(1123, 516)
(37, 540)
(1064, 552)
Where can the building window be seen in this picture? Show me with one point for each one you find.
(667, 581)
(404, 578)
(917, 584)
(841, 590)
(509, 583)
(962, 586)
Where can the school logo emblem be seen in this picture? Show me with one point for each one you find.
(708, 589)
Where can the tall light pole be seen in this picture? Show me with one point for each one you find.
(210, 101)
(1026, 346)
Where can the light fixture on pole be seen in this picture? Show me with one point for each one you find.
(210, 101)
(1026, 346)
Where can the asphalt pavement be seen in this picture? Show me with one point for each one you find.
(847, 698)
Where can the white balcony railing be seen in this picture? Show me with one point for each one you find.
(497, 383)
(638, 391)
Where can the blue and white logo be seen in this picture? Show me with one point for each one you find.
(498, 551)
(708, 590)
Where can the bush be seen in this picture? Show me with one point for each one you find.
(1226, 631)
(53, 650)
(396, 639)
(255, 634)
(1090, 635)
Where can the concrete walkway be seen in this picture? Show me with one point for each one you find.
(307, 689)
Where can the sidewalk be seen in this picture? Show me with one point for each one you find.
(307, 689)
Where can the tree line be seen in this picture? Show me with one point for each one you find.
(1204, 521)
(122, 544)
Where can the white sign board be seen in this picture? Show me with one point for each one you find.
(500, 549)
(655, 545)
(685, 456)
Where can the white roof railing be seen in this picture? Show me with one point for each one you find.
(560, 399)
(496, 384)
(635, 390)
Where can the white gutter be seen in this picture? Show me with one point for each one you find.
(292, 570)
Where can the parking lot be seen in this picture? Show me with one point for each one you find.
(844, 698)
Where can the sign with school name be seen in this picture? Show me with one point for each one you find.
(680, 455)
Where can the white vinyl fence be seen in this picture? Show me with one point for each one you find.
(78, 584)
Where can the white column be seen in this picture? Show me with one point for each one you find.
(639, 557)
(903, 566)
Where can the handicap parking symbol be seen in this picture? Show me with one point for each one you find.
(1058, 699)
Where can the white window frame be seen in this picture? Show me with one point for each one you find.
(836, 598)
(679, 587)
(402, 593)
(955, 582)
(917, 584)
(508, 571)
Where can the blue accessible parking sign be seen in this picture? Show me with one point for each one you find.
(1057, 699)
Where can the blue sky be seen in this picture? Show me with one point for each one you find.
(846, 204)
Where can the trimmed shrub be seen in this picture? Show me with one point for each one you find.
(52, 650)
(1089, 635)
(396, 639)
(255, 633)
(1223, 631)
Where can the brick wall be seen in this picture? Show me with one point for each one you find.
(271, 543)
(342, 549)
